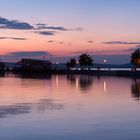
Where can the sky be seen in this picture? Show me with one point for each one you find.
(61, 29)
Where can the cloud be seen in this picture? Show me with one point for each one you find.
(17, 56)
(47, 33)
(131, 49)
(61, 42)
(122, 42)
(79, 29)
(14, 38)
(51, 41)
(90, 41)
(28, 54)
(60, 28)
(42, 26)
(14, 24)
(17, 38)
(105, 52)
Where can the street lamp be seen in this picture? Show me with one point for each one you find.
(105, 63)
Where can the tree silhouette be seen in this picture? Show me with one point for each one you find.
(85, 60)
(71, 63)
(135, 58)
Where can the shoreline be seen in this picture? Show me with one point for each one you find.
(118, 73)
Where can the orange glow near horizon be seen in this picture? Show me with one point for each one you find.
(41, 44)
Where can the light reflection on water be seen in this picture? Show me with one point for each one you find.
(69, 107)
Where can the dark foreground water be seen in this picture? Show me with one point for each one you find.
(69, 108)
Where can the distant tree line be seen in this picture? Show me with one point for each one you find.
(84, 60)
(135, 59)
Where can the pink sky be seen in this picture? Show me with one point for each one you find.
(69, 28)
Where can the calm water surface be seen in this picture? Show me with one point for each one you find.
(78, 107)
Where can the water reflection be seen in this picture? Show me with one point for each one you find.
(56, 108)
(34, 76)
(105, 86)
(6, 111)
(135, 88)
(27, 108)
(85, 82)
(72, 79)
(2, 74)
(49, 104)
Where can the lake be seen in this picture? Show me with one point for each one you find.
(69, 107)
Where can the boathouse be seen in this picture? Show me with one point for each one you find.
(33, 65)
